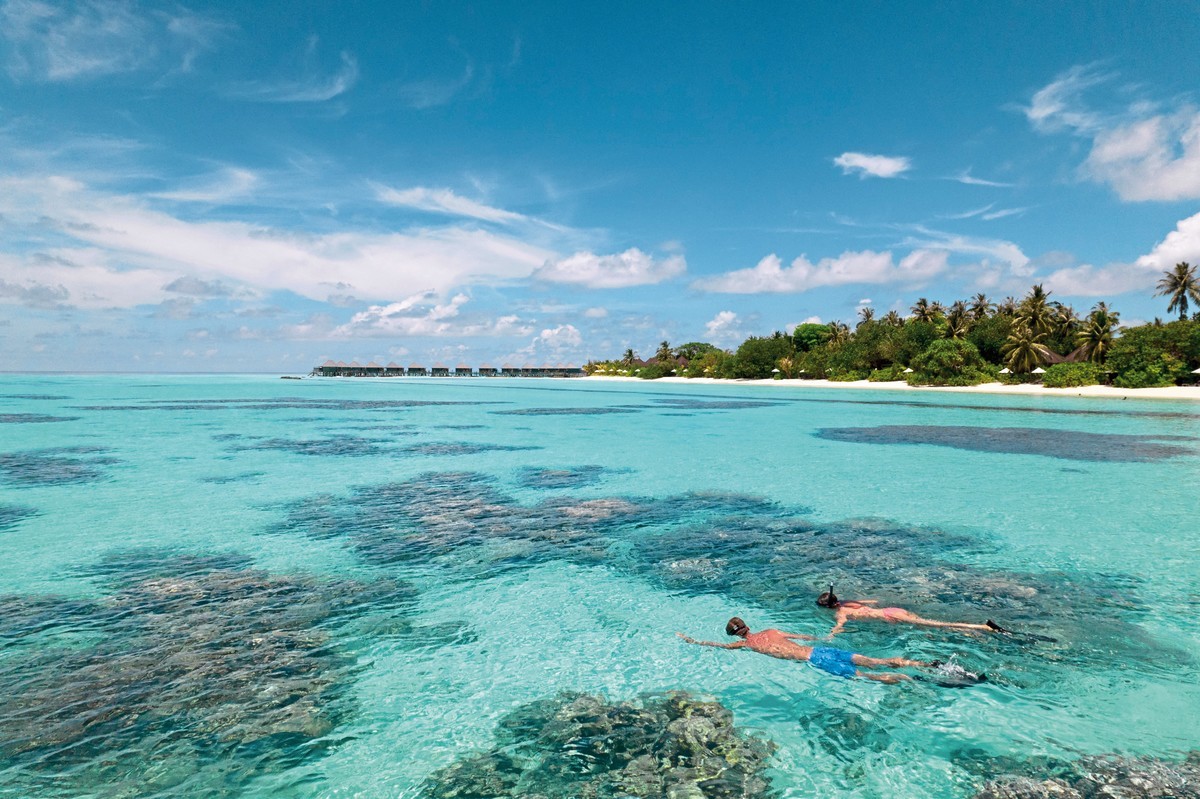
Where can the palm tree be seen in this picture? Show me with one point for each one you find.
(664, 355)
(925, 311)
(1008, 307)
(1034, 311)
(1023, 352)
(980, 307)
(893, 318)
(866, 314)
(956, 321)
(628, 359)
(1096, 335)
(1180, 284)
(1066, 321)
(839, 333)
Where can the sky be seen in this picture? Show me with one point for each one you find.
(264, 186)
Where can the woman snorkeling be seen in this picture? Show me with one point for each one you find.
(865, 610)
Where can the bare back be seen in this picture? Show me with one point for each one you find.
(776, 644)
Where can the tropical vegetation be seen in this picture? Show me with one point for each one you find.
(964, 343)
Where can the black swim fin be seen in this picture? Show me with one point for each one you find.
(1026, 636)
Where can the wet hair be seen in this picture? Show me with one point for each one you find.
(736, 626)
(828, 599)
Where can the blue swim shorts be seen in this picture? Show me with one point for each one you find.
(837, 662)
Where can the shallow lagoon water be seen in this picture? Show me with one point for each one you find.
(551, 536)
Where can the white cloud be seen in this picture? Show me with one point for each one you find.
(229, 184)
(595, 313)
(968, 179)
(998, 249)
(1151, 159)
(1086, 280)
(879, 166)
(561, 337)
(1003, 212)
(433, 92)
(1181, 244)
(423, 315)
(622, 270)
(723, 328)
(89, 39)
(314, 87)
(1143, 154)
(120, 253)
(770, 276)
(444, 201)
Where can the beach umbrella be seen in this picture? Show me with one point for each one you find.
(1006, 371)
(1196, 371)
(774, 371)
(1039, 371)
(907, 371)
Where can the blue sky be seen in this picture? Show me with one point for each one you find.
(260, 187)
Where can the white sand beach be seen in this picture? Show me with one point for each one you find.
(1188, 393)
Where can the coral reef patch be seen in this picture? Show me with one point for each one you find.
(577, 745)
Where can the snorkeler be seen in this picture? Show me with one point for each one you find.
(839, 662)
(861, 609)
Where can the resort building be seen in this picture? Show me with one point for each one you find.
(373, 369)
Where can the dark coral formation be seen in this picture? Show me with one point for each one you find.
(568, 411)
(340, 447)
(12, 515)
(33, 418)
(57, 466)
(462, 448)
(748, 550)
(209, 669)
(1104, 777)
(1052, 443)
(571, 477)
(582, 746)
(460, 515)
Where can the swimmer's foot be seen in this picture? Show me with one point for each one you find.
(996, 628)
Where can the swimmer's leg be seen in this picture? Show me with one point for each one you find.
(949, 625)
(888, 663)
(890, 679)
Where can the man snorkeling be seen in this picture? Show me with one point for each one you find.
(839, 662)
(864, 610)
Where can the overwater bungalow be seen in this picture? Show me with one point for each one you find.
(393, 369)
(441, 370)
(487, 371)
(373, 369)
(462, 370)
(508, 370)
(416, 370)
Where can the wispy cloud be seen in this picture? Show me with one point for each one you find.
(1144, 154)
(770, 276)
(970, 180)
(433, 92)
(93, 38)
(1059, 105)
(230, 183)
(1002, 213)
(621, 270)
(445, 201)
(879, 166)
(313, 87)
(423, 315)
(116, 252)
(1005, 252)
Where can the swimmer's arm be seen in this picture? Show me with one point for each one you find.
(866, 601)
(734, 645)
(837, 628)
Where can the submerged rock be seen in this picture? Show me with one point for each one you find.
(1106, 777)
(211, 670)
(577, 745)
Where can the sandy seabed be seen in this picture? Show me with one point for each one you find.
(1191, 393)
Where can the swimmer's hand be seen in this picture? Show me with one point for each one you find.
(686, 638)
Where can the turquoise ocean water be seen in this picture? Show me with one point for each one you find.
(246, 586)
